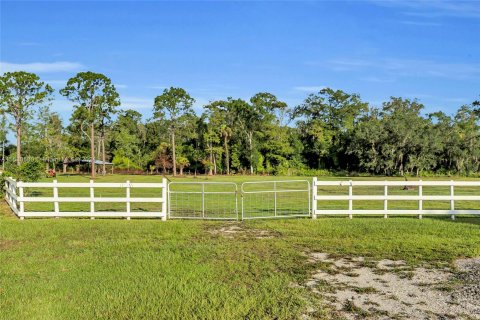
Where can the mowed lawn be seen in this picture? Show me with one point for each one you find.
(149, 269)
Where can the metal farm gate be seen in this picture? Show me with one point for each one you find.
(276, 199)
(203, 200)
(219, 200)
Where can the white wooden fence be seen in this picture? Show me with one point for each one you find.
(15, 197)
(386, 197)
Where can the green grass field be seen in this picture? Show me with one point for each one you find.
(181, 269)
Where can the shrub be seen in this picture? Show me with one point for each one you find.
(124, 163)
(30, 170)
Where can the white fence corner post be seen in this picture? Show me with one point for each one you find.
(350, 199)
(314, 198)
(164, 197)
(92, 200)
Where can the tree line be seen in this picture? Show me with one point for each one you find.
(331, 131)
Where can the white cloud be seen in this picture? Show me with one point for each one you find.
(41, 67)
(121, 86)
(408, 67)
(309, 88)
(377, 79)
(434, 8)
(458, 100)
(136, 103)
(421, 23)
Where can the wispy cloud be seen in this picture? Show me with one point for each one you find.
(419, 96)
(345, 64)
(458, 100)
(121, 86)
(434, 8)
(309, 88)
(394, 67)
(137, 103)
(145, 105)
(41, 67)
(377, 79)
(421, 23)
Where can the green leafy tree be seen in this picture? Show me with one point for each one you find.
(467, 128)
(3, 136)
(97, 97)
(248, 119)
(49, 130)
(173, 103)
(221, 117)
(19, 92)
(182, 162)
(324, 121)
(129, 138)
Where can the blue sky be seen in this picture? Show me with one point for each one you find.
(215, 49)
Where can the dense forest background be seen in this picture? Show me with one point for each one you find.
(332, 131)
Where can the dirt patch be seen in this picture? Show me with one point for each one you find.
(239, 231)
(8, 244)
(360, 289)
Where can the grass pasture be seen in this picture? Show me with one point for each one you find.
(182, 269)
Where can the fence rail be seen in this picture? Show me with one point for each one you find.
(15, 197)
(386, 197)
(260, 199)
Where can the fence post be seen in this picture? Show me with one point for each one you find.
(203, 200)
(385, 201)
(236, 200)
(241, 201)
(56, 205)
(13, 193)
(420, 201)
(164, 197)
(314, 198)
(7, 191)
(350, 200)
(452, 201)
(128, 198)
(22, 204)
(92, 200)
(274, 198)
